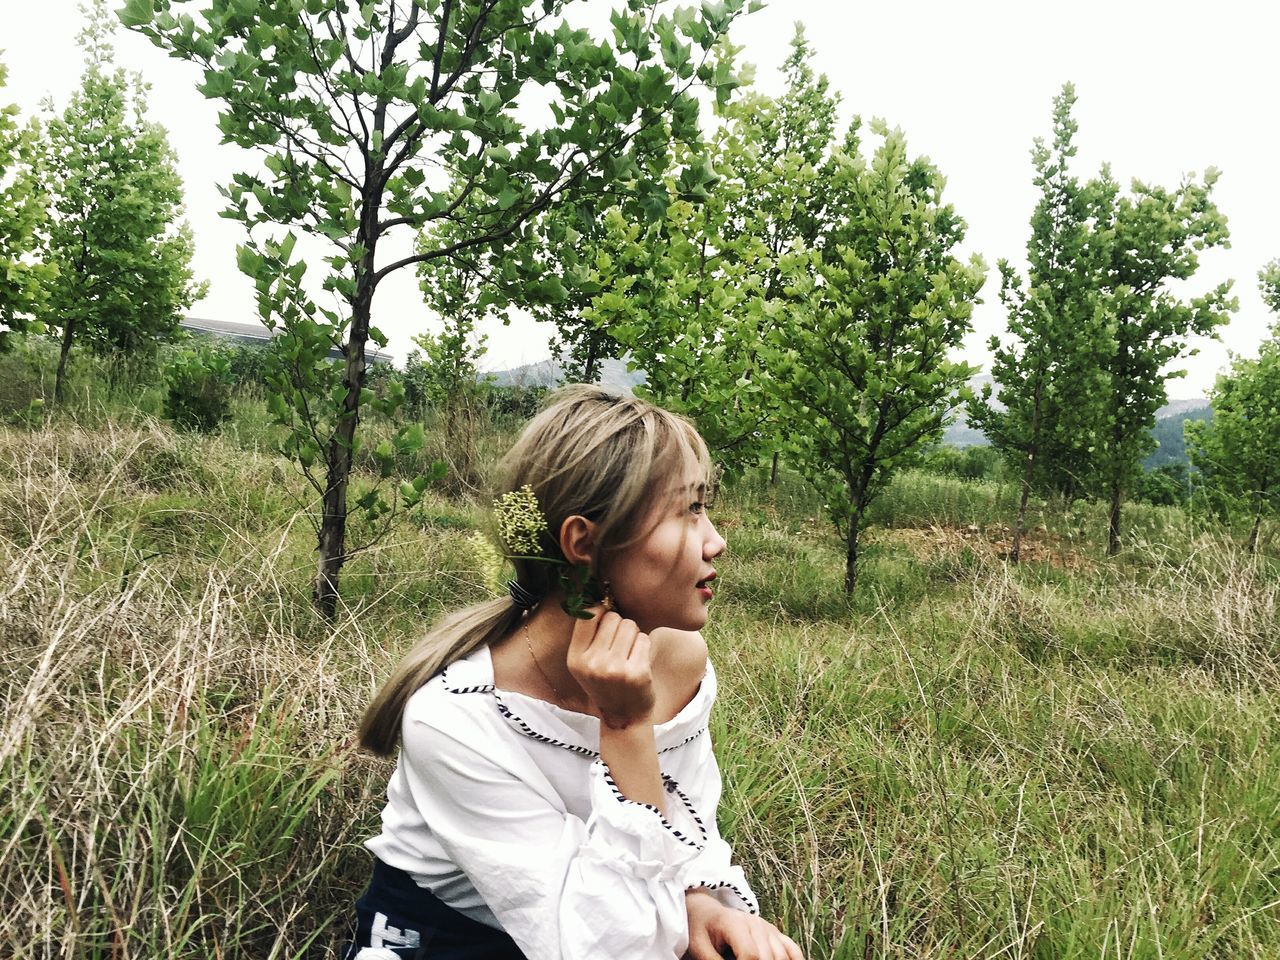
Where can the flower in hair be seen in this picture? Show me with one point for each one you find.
(490, 560)
(520, 521)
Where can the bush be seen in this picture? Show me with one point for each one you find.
(1166, 486)
(199, 380)
(967, 463)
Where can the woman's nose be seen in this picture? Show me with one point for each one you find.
(714, 544)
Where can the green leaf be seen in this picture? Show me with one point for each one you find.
(137, 13)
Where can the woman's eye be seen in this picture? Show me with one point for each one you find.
(697, 506)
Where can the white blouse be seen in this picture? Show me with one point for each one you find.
(501, 807)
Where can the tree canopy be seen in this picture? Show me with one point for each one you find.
(385, 116)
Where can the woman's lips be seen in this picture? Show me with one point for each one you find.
(704, 585)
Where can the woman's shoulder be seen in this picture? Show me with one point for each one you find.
(456, 699)
(680, 663)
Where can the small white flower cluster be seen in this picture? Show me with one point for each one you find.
(520, 522)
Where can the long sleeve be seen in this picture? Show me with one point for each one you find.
(713, 868)
(562, 887)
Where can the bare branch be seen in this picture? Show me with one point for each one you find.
(444, 30)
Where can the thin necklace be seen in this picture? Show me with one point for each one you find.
(529, 643)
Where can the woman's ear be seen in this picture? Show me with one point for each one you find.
(578, 540)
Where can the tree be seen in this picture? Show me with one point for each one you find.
(450, 359)
(1049, 371)
(23, 213)
(386, 115)
(1269, 283)
(860, 365)
(120, 250)
(1150, 239)
(1237, 452)
(693, 296)
(571, 242)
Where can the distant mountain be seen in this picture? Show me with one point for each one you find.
(1167, 431)
(960, 434)
(1171, 447)
(548, 373)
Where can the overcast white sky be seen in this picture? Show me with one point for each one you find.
(1165, 89)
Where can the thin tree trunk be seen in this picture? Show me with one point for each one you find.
(1252, 545)
(332, 540)
(1259, 499)
(59, 383)
(851, 554)
(1113, 527)
(713, 489)
(773, 471)
(1021, 523)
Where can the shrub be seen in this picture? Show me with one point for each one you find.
(1166, 486)
(199, 381)
(968, 463)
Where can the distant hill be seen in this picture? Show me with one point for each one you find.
(960, 434)
(547, 373)
(1168, 428)
(1172, 448)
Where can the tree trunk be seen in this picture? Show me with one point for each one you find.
(851, 554)
(589, 374)
(773, 471)
(332, 539)
(1252, 546)
(1259, 500)
(1020, 524)
(713, 488)
(1113, 527)
(59, 382)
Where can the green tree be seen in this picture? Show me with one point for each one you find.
(1048, 371)
(693, 296)
(23, 213)
(571, 243)
(860, 365)
(1150, 239)
(381, 115)
(450, 359)
(1237, 451)
(1269, 282)
(121, 252)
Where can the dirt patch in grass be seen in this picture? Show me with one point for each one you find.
(994, 541)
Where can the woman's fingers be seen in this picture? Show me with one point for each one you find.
(753, 938)
(610, 662)
(700, 945)
(638, 652)
(584, 632)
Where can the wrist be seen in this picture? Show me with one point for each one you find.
(627, 725)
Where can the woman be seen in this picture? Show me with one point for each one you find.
(556, 792)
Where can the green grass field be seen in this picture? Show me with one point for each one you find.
(1072, 758)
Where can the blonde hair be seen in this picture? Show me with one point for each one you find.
(589, 453)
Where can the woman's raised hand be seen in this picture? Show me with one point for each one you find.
(609, 657)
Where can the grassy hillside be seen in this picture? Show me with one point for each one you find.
(1071, 758)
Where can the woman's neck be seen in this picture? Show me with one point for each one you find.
(545, 636)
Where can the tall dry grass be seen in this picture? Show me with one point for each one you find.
(969, 760)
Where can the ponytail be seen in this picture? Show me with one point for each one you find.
(452, 639)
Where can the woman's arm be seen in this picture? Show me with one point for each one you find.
(610, 659)
(563, 887)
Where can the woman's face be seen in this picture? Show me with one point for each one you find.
(665, 578)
